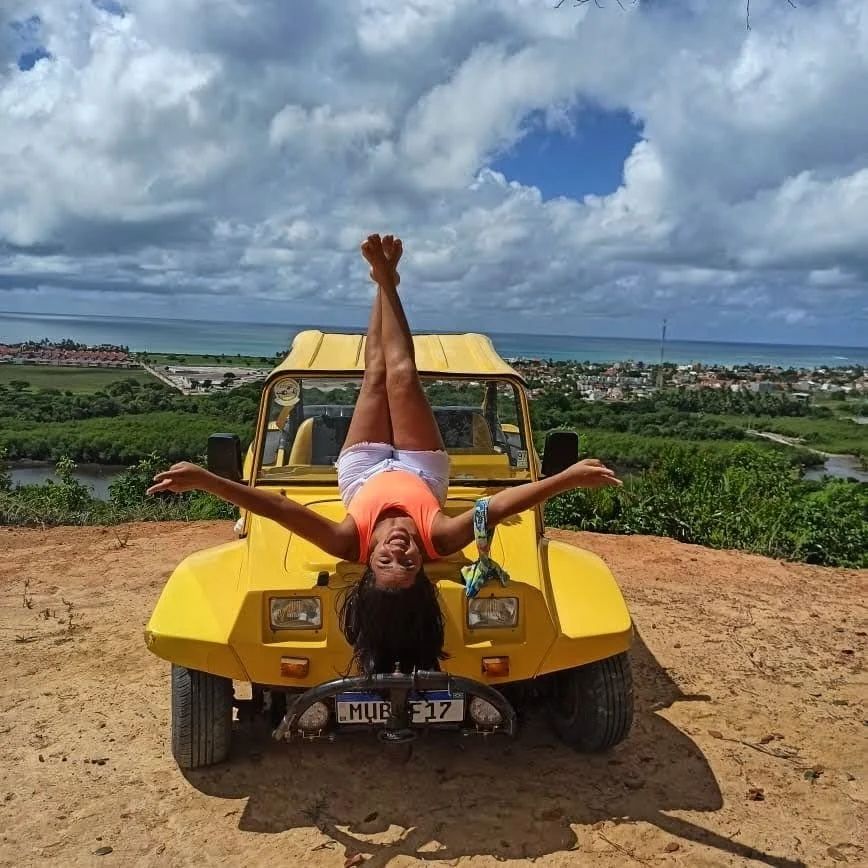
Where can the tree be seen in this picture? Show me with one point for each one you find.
(623, 4)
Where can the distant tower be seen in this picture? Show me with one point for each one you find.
(662, 348)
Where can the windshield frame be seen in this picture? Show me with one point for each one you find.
(515, 381)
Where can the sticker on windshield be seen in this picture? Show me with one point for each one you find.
(521, 459)
(286, 393)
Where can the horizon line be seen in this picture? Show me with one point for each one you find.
(321, 327)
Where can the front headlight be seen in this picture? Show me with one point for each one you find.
(296, 613)
(485, 612)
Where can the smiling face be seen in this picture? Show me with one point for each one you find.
(396, 556)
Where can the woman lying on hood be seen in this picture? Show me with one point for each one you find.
(393, 475)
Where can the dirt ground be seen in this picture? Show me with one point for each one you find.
(749, 744)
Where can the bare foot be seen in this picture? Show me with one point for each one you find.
(381, 270)
(383, 255)
(393, 248)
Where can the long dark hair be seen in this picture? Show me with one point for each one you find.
(386, 626)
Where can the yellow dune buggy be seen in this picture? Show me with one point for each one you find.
(262, 609)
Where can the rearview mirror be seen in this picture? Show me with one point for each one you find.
(561, 451)
(224, 456)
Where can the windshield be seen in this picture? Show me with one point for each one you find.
(309, 417)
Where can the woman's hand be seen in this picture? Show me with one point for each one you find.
(590, 473)
(183, 476)
(383, 256)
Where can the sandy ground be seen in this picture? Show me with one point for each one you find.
(749, 745)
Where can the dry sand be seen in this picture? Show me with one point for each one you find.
(750, 681)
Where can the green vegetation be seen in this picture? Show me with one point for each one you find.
(639, 451)
(70, 502)
(129, 419)
(119, 439)
(747, 500)
(741, 403)
(196, 360)
(699, 478)
(703, 415)
(125, 422)
(65, 378)
(827, 435)
(827, 425)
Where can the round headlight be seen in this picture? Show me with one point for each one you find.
(314, 718)
(483, 713)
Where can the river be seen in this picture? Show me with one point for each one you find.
(841, 467)
(97, 477)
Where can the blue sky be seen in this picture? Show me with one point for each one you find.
(584, 156)
(579, 170)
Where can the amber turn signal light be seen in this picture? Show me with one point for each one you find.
(495, 667)
(294, 667)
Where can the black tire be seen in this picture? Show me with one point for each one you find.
(592, 706)
(201, 717)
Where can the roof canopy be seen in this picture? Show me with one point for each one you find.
(468, 354)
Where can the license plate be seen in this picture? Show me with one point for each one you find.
(433, 706)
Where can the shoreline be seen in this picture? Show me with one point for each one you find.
(162, 336)
(360, 327)
(179, 357)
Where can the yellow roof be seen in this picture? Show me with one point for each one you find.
(435, 354)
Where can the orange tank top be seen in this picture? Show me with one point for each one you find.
(394, 489)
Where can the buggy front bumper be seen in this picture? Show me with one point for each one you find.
(397, 688)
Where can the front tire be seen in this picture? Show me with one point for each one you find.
(201, 717)
(592, 705)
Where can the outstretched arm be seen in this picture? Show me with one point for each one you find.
(452, 534)
(338, 539)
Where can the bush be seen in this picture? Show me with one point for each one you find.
(127, 497)
(831, 525)
(64, 502)
(749, 500)
(70, 502)
(5, 476)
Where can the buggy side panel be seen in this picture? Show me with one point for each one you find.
(197, 610)
(587, 607)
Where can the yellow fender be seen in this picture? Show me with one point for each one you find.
(195, 614)
(587, 607)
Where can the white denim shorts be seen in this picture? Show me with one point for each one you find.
(358, 463)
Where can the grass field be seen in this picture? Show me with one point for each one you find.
(68, 378)
(841, 436)
(844, 409)
(194, 359)
(627, 450)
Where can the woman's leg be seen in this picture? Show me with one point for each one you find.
(413, 424)
(371, 422)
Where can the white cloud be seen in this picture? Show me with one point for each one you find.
(833, 277)
(323, 127)
(240, 150)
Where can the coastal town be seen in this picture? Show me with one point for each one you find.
(187, 378)
(592, 381)
(67, 352)
(620, 381)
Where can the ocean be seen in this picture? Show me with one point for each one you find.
(266, 339)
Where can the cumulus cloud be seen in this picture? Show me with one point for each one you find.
(239, 151)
